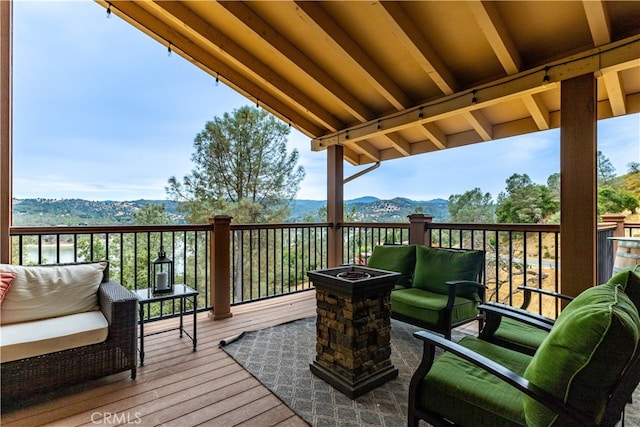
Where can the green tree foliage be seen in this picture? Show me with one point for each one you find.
(471, 207)
(151, 214)
(524, 201)
(321, 215)
(606, 171)
(616, 200)
(242, 169)
(614, 195)
(553, 184)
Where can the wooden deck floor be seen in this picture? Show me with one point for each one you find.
(179, 387)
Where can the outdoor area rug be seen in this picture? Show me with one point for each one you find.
(279, 358)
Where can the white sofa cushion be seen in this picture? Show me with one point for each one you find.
(45, 291)
(23, 340)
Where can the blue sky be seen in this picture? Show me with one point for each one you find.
(102, 112)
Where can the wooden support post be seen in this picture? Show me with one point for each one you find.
(335, 204)
(6, 134)
(578, 199)
(220, 267)
(418, 229)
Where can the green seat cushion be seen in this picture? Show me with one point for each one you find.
(468, 395)
(629, 278)
(510, 330)
(589, 345)
(398, 258)
(511, 359)
(430, 307)
(436, 266)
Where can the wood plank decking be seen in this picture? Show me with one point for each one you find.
(179, 387)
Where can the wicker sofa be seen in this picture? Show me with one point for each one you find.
(61, 325)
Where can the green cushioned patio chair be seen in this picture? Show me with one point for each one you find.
(521, 330)
(583, 374)
(440, 288)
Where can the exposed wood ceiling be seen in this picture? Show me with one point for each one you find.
(392, 79)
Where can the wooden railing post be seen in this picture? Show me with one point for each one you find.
(418, 229)
(618, 219)
(220, 267)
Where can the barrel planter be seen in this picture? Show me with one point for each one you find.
(628, 253)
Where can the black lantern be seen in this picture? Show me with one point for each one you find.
(162, 273)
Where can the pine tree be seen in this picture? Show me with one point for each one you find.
(242, 169)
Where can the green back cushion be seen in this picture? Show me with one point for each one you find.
(435, 266)
(521, 334)
(629, 278)
(398, 258)
(588, 347)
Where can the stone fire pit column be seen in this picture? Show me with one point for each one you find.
(353, 329)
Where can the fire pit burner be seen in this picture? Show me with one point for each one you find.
(353, 275)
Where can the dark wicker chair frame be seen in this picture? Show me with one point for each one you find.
(613, 414)
(26, 377)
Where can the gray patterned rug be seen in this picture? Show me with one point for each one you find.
(279, 358)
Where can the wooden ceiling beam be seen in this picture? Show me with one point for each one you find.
(398, 143)
(537, 109)
(479, 122)
(289, 53)
(435, 135)
(410, 36)
(160, 31)
(598, 20)
(617, 56)
(351, 156)
(496, 32)
(248, 64)
(613, 84)
(359, 60)
(366, 149)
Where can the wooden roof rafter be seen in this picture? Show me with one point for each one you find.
(246, 63)
(522, 85)
(497, 35)
(359, 60)
(397, 77)
(295, 58)
(411, 38)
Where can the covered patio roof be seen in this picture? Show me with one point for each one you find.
(393, 79)
(370, 81)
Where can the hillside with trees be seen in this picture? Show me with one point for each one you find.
(75, 212)
(524, 201)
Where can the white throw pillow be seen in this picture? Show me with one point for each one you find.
(45, 291)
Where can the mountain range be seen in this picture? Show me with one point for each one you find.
(74, 212)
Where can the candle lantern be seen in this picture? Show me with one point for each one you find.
(162, 273)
